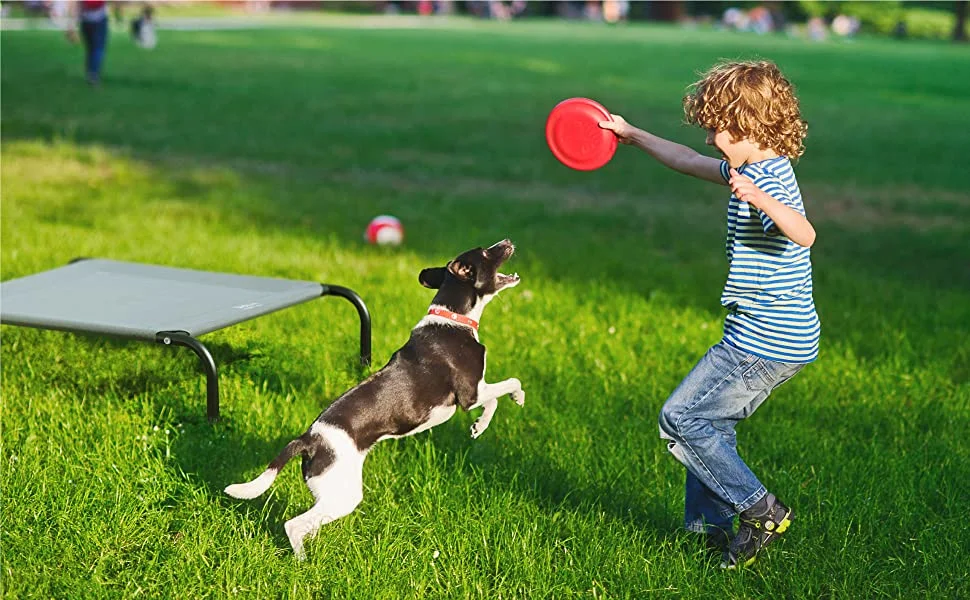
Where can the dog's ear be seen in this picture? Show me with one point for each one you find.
(432, 278)
(461, 270)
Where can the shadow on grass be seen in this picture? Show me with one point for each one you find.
(855, 435)
(218, 455)
(664, 246)
(101, 366)
(870, 281)
(656, 252)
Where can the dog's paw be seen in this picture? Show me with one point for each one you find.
(478, 428)
(296, 539)
(519, 397)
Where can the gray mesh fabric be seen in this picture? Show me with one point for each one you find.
(138, 301)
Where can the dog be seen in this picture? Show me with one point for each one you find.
(440, 368)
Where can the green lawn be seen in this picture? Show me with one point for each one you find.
(266, 153)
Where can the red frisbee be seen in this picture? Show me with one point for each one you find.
(575, 137)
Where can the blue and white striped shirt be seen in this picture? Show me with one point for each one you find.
(768, 292)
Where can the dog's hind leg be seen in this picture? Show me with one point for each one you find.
(338, 493)
(335, 478)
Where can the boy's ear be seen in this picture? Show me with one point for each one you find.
(432, 278)
(461, 270)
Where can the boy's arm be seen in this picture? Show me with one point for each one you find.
(788, 220)
(676, 156)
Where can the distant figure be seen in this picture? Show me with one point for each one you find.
(760, 21)
(143, 28)
(616, 10)
(503, 11)
(845, 26)
(60, 15)
(817, 30)
(900, 31)
(735, 19)
(92, 17)
(118, 12)
(778, 18)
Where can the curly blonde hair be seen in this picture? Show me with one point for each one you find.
(750, 100)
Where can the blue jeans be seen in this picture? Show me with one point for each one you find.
(95, 35)
(698, 420)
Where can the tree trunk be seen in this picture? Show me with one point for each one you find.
(960, 28)
(671, 10)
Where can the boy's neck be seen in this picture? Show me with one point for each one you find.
(746, 152)
(759, 154)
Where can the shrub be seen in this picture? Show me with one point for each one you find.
(881, 18)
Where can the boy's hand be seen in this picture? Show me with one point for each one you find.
(623, 130)
(744, 188)
(71, 35)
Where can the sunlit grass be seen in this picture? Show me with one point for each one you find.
(267, 152)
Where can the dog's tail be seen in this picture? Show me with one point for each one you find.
(259, 485)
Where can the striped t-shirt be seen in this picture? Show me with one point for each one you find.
(768, 292)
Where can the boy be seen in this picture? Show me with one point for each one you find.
(771, 330)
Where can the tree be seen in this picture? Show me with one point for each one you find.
(960, 27)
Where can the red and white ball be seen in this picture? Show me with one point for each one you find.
(384, 230)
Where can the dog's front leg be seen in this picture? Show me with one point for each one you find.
(488, 395)
(512, 387)
(482, 422)
(491, 391)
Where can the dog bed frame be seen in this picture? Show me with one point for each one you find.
(158, 304)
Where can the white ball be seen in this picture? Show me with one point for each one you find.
(384, 230)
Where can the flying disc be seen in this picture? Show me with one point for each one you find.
(575, 137)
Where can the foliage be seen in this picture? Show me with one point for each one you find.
(922, 20)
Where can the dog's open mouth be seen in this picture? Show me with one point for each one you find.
(505, 280)
(507, 248)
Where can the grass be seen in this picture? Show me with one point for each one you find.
(266, 152)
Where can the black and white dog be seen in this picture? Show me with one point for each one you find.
(441, 367)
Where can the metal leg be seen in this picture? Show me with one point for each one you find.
(365, 329)
(181, 338)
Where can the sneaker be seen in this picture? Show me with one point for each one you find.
(717, 540)
(760, 525)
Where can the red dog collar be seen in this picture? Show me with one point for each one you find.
(447, 314)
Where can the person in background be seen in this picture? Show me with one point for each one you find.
(91, 16)
(143, 28)
(118, 12)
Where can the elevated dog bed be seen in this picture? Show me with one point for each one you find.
(158, 304)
